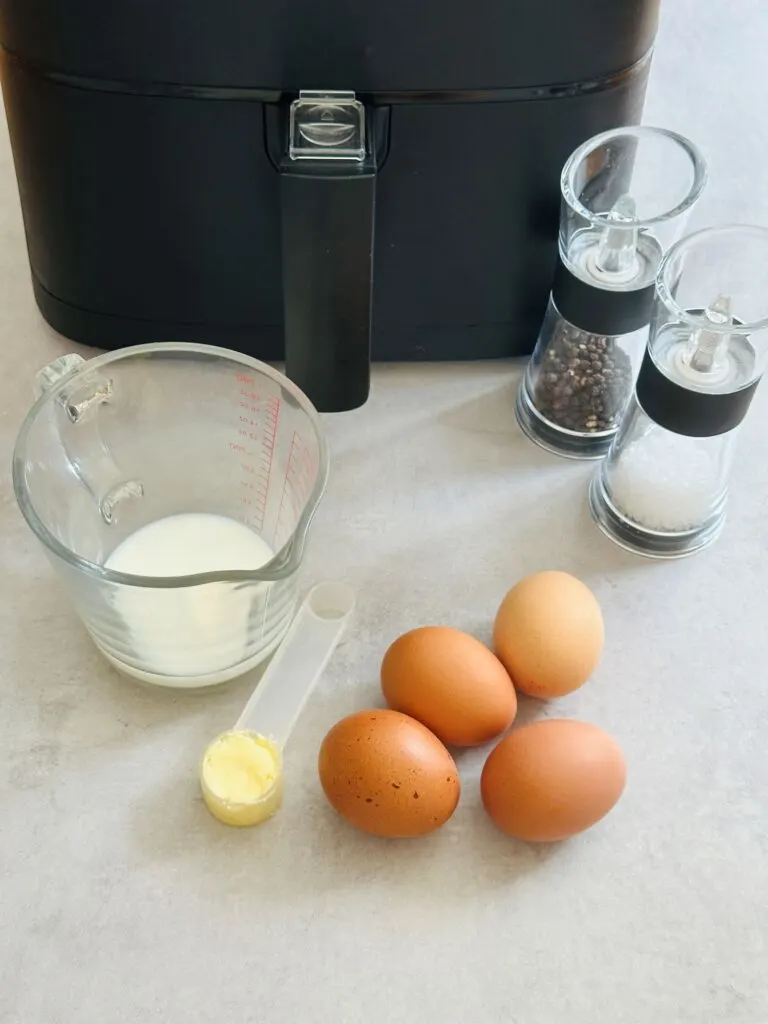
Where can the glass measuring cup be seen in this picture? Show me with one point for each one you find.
(127, 439)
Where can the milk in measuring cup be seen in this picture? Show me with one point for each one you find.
(190, 631)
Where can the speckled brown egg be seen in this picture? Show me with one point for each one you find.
(549, 634)
(552, 779)
(387, 774)
(450, 682)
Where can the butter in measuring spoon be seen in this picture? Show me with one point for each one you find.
(241, 778)
(241, 774)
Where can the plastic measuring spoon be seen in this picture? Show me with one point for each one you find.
(241, 774)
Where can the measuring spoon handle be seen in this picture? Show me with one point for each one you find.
(284, 689)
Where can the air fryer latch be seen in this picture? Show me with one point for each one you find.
(327, 126)
(328, 201)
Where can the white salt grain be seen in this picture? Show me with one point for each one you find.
(665, 482)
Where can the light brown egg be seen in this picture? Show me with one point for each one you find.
(388, 774)
(552, 779)
(451, 682)
(549, 634)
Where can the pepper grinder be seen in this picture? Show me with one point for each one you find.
(662, 489)
(626, 195)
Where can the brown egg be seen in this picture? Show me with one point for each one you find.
(451, 682)
(549, 634)
(552, 779)
(388, 774)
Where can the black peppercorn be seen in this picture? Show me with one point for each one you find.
(584, 381)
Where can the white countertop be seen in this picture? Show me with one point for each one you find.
(123, 901)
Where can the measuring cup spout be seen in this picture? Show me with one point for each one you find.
(289, 558)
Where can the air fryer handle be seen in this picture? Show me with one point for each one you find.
(327, 251)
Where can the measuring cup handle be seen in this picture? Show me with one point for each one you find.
(56, 371)
(76, 412)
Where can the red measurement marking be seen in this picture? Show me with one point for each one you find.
(250, 435)
(286, 481)
(256, 424)
(248, 408)
(305, 469)
(273, 412)
(268, 446)
(300, 472)
(299, 476)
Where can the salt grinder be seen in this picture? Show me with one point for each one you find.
(663, 487)
(626, 195)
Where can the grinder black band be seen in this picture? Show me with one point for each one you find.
(692, 413)
(600, 310)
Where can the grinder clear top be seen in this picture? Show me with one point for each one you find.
(620, 190)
